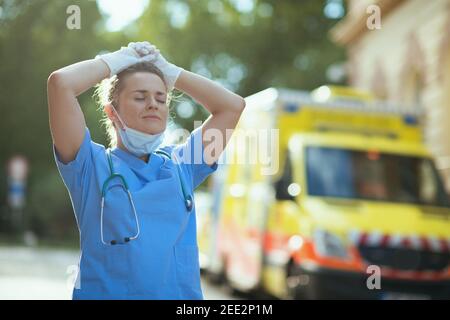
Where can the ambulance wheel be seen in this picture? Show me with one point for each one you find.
(293, 288)
(216, 278)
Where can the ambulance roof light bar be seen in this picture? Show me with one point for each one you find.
(293, 99)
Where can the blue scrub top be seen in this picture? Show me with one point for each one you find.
(162, 263)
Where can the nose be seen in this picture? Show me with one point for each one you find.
(152, 104)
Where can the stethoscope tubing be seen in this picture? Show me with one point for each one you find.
(113, 175)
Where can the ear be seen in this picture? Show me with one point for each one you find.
(112, 115)
(109, 112)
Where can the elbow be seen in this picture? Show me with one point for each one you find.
(56, 79)
(243, 102)
(235, 106)
(240, 105)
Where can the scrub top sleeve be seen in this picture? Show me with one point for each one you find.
(76, 172)
(192, 158)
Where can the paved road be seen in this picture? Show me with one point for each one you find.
(28, 273)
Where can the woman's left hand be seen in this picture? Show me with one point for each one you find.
(171, 72)
(143, 48)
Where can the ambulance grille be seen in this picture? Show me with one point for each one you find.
(405, 259)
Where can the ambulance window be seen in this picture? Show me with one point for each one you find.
(441, 196)
(428, 187)
(372, 175)
(371, 180)
(281, 186)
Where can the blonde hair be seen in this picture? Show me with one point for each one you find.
(108, 91)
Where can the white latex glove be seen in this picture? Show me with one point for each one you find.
(143, 48)
(125, 57)
(171, 72)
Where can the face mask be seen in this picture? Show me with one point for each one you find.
(137, 142)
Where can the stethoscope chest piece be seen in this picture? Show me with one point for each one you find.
(189, 203)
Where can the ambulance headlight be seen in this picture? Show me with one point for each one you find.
(329, 245)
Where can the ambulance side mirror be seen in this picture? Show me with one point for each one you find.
(282, 185)
(281, 192)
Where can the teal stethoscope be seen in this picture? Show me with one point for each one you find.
(113, 175)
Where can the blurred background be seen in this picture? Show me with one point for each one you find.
(246, 45)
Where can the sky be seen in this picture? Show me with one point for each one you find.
(121, 12)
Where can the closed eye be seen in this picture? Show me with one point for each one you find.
(142, 99)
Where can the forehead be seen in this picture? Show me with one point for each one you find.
(144, 81)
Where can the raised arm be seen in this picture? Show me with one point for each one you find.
(67, 123)
(225, 108)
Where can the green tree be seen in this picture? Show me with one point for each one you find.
(34, 41)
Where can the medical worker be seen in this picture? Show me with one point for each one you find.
(133, 202)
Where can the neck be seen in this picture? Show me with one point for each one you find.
(121, 146)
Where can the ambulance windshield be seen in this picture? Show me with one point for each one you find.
(373, 175)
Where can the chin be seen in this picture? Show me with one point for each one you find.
(152, 127)
(154, 130)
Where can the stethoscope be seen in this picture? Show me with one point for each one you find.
(113, 175)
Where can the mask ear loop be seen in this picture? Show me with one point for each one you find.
(118, 117)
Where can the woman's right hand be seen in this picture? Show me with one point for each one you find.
(143, 48)
(127, 56)
(171, 71)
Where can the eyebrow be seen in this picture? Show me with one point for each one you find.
(159, 93)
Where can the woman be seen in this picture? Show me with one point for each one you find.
(139, 244)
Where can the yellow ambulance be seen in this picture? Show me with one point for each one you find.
(328, 194)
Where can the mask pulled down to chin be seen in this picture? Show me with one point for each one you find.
(137, 142)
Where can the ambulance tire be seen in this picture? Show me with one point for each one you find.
(216, 278)
(295, 291)
(234, 292)
(312, 289)
(291, 287)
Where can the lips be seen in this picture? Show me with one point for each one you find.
(151, 117)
